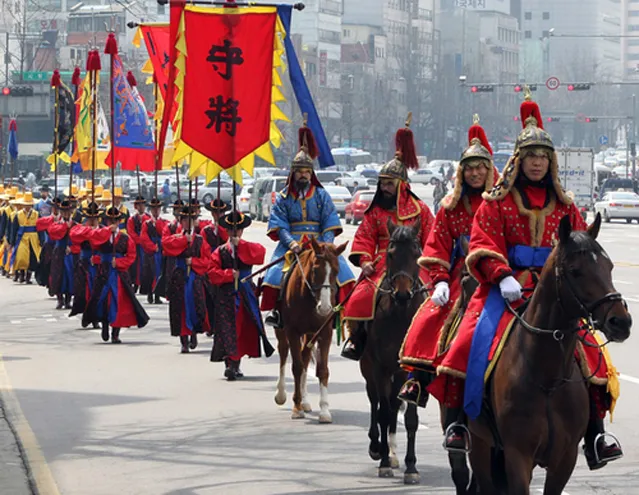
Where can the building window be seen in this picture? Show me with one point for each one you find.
(634, 42)
(633, 13)
(633, 27)
(545, 16)
(633, 56)
(528, 16)
(161, 9)
(545, 34)
(528, 34)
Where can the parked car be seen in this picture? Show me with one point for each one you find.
(619, 204)
(426, 176)
(264, 195)
(244, 198)
(340, 196)
(326, 177)
(208, 193)
(354, 211)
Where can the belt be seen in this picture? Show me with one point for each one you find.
(522, 257)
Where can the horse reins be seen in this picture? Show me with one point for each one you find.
(306, 282)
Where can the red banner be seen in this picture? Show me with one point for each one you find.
(226, 96)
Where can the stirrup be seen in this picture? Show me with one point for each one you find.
(409, 383)
(605, 435)
(469, 443)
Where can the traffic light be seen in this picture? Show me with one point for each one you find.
(6, 91)
(519, 88)
(590, 120)
(482, 88)
(17, 91)
(516, 118)
(578, 86)
(552, 119)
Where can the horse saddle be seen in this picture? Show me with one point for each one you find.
(285, 278)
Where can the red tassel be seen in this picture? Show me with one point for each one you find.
(530, 109)
(55, 79)
(111, 47)
(13, 126)
(93, 61)
(75, 79)
(131, 79)
(477, 132)
(405, 147)
(307, 140)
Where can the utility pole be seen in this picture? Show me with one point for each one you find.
(7, 59)
(633, 145)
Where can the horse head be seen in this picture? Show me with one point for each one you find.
(322, 276)
(583, 279)
(402, 270)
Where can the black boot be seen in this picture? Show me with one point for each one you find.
(67, 301)
(456, 437)
(115, 336)
(193, 341)
(20, 276)
(184, 340)
(157, 299)
(105, 331)
(149, 298)
(274, 319)
(28, 279)
(238, 371)
(135, 288)
(230, 372)
(598, 453)
(355, 344)
(60, 304)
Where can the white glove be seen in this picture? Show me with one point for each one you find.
(441, 294)
(510, 289)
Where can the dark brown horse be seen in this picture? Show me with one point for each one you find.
(400, 295)
(538, 396)
(308, 300)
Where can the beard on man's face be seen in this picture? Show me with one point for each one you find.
(387, 200)
(301, 183)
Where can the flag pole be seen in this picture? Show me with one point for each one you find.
(235, 234)
(133, 83)
(156, 132)
(75, 82)
(3, 163)
(55, 84)
(111, 49)
(93, 65)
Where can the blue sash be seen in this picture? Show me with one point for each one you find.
(190, 315)
(111, 287)
(457, 249)
(249, 297)
(157, 256)
(519, 257)
(67, 274)
(21, 231)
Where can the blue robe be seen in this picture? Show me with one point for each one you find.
(294, 219)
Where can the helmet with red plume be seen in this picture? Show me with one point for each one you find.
(533, 133)
(405, 156)
(308, 151)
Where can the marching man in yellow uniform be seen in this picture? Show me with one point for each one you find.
(26, 243)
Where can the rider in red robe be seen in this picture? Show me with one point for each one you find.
(444, 258)
(393, 201)
(512, 235)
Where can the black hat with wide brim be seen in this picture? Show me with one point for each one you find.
(65, 205)
(111, 213)
(92, 210)
(139, 199)
(188, 211)
(235, 220)
(217, 206)
(178, 203)
(154, 203)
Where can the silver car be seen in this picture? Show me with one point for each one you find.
(340, 196)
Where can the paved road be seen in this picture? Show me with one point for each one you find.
(142, 419)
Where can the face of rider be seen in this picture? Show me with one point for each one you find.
(388, 188)
(475, 173)
(535, 164)
(302, 178)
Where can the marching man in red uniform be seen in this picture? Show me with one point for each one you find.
(64, 256)
(512, 235)
(134, 229)
(215, 234)
(444, 259)
(393, 200)
(151, 242)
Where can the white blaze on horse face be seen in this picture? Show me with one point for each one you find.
(324, 306)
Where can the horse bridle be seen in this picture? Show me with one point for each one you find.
(415, 285)
(311, 288)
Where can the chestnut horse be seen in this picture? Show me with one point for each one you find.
(399, 297)
(538, 397)
(309, 298)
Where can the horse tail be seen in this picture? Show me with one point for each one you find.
(498, 470)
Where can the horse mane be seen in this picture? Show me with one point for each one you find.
(580, 242)
(403, 233)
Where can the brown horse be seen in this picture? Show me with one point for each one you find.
(308, 301)
(400, 295)
(538, 397)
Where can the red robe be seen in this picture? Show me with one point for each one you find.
(147, 244)
(426, 338)
(370, 243)
(497, 226)
(177, 246)
(237, 329)
(80, 236)
(215, 235)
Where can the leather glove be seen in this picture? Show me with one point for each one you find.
(510, 289)
(441, 294)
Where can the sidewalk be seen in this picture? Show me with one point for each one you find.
(13, 476)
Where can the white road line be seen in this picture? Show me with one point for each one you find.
(628, 378)
(632, 299)
(16, 322)
(47, 316)
(51, 319)
(623, 282)
(31, 319)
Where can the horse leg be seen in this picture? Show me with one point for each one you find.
(457, 460)
(282, 349)
(321, 371)
(306, 358)
(519, 468)
(298, 368)
(383, 391)
(395, 404)
(480, 461)
(558, 476)
(411, 423)
(365, 366)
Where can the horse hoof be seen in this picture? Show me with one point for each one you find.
(280, 398)
(385, 472)
(411, 479)
(376, 456)
(325, 417)
(394, 462)
(307, 407)
(297, 414)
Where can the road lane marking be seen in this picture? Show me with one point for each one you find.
(51, 319)
(623, 282)
(38, 470)
(16, 322)
(631, 299)
(628, 378)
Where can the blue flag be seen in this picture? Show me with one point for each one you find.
(13, 139)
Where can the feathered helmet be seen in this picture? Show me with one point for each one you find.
(478, 150)
(533, 137)
(405, 156)
(308, 152)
